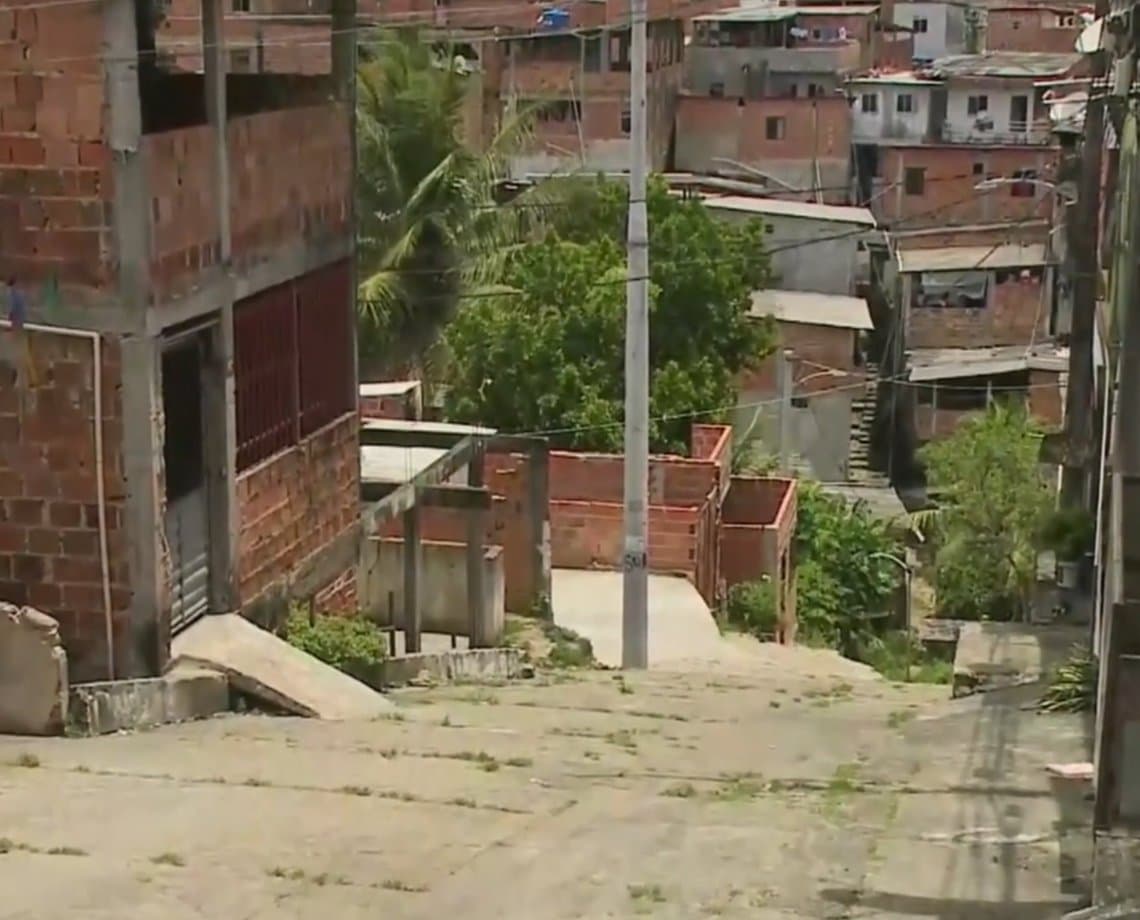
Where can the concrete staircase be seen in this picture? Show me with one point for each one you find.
(862, 420)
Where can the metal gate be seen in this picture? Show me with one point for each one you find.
(187, 520)
(188, 536)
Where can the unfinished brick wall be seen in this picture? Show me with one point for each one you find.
(1017, 313)
(49, 512)
(54, 175)
(758, 522)
(293, 505)
(710, 129)
(1032, 28)
(290, 177)
(1047, 397)
(951, 172)
(591, 535)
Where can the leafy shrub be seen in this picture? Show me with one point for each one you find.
(751, 607)
(353, 645)
(1073, 687)
(1069, 532)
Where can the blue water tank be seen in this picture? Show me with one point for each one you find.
(554, 18)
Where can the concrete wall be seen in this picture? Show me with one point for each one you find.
(813, 255)
(887, 122)
(710, 131)
(945, 32)
(819, 435)
(962, 127)
(444, 580)
(705, 66)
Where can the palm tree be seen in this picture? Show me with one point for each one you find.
(429, 230)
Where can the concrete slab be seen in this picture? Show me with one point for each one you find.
(183, 694)
(258, 663)
(681, 627)
(991, 656)
(33, 672)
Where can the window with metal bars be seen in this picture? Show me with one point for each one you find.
(292, 361)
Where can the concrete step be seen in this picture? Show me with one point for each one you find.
(267, 668)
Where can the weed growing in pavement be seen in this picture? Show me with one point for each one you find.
(681, 791)
(29, 761)
(393, 884)
(169, 859)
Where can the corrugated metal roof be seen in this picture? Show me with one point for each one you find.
(971, 258)
(832, 213)
(749, 14)
(928, 364)
(1004, 64)
(811, 308)
(389, 388)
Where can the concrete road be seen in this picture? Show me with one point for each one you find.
(583, 796)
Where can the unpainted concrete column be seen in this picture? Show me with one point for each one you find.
(214, 58)
(220, 398)
(147, 649)
(476, 528)
(413, 569)
(540, 525)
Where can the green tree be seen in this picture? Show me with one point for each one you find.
(547, 354)
(843, 579)
(993, 499)
(428, 226)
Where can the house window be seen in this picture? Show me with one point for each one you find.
(975, 105)
(625, 120)
(774, 128)
(920, 26)
(559, 110)
(814, 91)
(914, 180)
(978, 169)
(241, 60)
(292, 361)
(716, 90)
(904, 104)
(241, 6)
(963, 290)
(592, 54)
(870, 103)
(1024, 183)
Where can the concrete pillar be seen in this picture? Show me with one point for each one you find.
(476, 528)
(344, 48)
(219, 390)
(540, 525)
(149, 613)
(413, 569)
(214, 58)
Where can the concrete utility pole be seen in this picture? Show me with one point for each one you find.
(785, 388)
(1080, 435)
(635, 562)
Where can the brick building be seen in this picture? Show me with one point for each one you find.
(178, 404)
(763, 93)
(978, 325)
(947, 145)
(1034, 27)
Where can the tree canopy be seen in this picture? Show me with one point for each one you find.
(428, 227)
(546, 352)
(993, 501)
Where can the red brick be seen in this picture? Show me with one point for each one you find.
(14, 592)
(44, 596)
(65, 514)
(29, 568)
(81, 598)
(80, 543)
(13, 538)
(26, 511)
(44, 541)
(75, 569)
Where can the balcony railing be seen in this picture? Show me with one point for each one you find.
(1018, 133)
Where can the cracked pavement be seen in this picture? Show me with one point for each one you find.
(767, 793)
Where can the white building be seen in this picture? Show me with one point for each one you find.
(998, 97)
(939, 28)
(891, 107)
